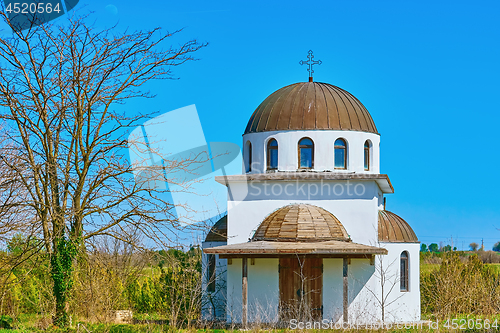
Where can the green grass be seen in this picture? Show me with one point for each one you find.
(496, 267)
(426, 268)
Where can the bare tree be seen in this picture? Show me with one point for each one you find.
(15, 218)
(388, 279)
(58, 89)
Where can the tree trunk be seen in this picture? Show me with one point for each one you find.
(62, 276)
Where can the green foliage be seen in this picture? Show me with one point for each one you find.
(423, 248)
(24, 270)
(496, 247)
(446, 248)
(6, 322)
(62, 269)
(174, 291)
(169, 289)
(433, 247)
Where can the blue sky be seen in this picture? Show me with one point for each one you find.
(427, 72)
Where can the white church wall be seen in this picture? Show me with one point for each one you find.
(213, 306)
(323, 149)
(234, 291)
(361, 284)
(263, 291)
(365, 288)
(359, 215)
(403, 305)
(332, 289)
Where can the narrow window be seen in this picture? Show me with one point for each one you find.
(211, 273)
(367, 155)
(272, 155)
(404, 271)
(340, 154)
(306, 153)
(249, 159)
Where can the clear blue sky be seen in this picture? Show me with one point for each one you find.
(427, 71)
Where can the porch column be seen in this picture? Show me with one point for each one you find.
(345, 292)
(244, 287)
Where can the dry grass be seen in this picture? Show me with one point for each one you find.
(460, 288)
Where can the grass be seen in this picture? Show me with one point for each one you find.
(427, 268)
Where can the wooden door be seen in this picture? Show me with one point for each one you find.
(301, 288)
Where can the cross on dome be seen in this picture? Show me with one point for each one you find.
(310, 62)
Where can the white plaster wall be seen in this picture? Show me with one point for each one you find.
(263, 290)
(213, 306)
(234, 292)
(357, 213)
(323, 149)
(365, 289)
(405, 305)
(361, 284)
(332, 289)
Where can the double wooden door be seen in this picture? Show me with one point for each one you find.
(301, 288)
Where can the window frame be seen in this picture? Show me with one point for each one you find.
(404, 278)
(249, 156)
(345, 153)
(299, 147)
(367, 155)
(268, 154)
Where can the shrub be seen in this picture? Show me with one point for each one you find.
(458, 287)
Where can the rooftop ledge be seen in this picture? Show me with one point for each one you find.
(382, 180)
(328, 249)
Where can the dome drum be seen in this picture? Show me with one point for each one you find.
(323, 113)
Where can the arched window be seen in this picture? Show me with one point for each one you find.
(249, 159)
(272, 154)
(340, 154)
(306, 153)
(367, 154)
(404, 271)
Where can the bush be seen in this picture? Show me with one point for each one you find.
(458, 287)
(6, 322)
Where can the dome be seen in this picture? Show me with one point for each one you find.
(300, 222)
(218, 233)
(311, 106)
(392, 228)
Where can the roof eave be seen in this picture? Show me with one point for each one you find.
(382, 180)
(276, 249)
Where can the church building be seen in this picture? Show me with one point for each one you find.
(306, 235)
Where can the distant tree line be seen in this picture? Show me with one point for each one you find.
(433, 247)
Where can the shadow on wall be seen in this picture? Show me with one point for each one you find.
(360, 272)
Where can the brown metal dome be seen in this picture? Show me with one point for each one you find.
(392, 228)
(300, 222)
(311, 106)
(218, 233)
